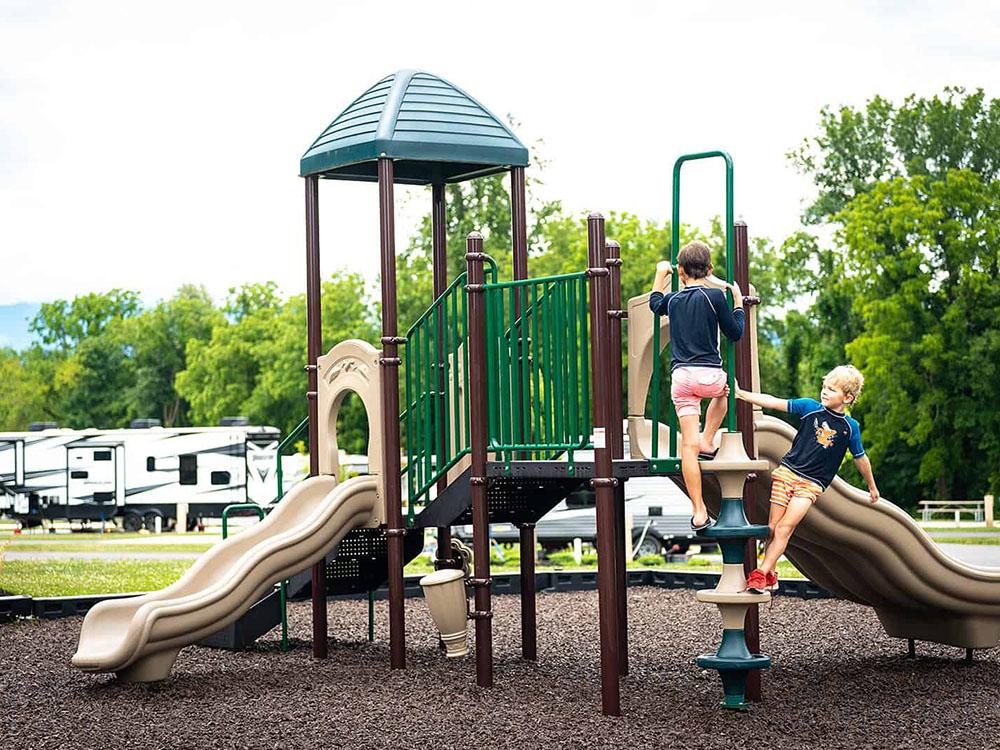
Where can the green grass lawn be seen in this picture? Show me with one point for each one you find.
(78, 577)
(97, 547)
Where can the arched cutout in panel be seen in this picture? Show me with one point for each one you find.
(351, 367)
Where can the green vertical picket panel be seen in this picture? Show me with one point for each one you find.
(560, 405)
(408, 425)
(537, 331)
(535, 379)
(537, 375)
(426, 404)
(513, 367)
(524, 349)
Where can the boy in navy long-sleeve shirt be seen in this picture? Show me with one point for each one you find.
(696, 313)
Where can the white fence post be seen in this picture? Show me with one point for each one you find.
(988, 507)
(629, 523)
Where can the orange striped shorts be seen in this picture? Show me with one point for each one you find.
(786, 484)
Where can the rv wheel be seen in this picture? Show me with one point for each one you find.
(132, 522)
(192, 523)
(651, 545)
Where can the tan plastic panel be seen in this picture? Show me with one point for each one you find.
(139, 638)
(351, 367)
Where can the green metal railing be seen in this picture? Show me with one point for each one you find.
(279, 473)
(658, 463)
(538, 367)
(436, 418)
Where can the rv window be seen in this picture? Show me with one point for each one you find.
(78, 474)
(189, 469)
(102, 455)
(220, 477)
(150, 463)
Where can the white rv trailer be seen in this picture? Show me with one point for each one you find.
(134, 475)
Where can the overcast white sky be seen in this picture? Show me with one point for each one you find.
(145, 145)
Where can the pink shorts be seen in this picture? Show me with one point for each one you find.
(689, 385)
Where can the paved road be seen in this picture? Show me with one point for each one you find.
(986, 555)
(55, 555)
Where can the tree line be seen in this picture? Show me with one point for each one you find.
(893, 269)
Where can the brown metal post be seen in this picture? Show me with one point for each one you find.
(744, 423)
(616, 441)
(483, 612)
(314, 337)
(603, 481)
(439, 256)
(390, 413)
(519, 240)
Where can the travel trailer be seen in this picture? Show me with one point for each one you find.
(134, 476)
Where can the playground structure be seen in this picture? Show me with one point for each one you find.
(506, 381)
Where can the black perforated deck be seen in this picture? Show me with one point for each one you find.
(523, 499)
(361, 561)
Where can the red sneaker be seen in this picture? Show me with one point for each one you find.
(772, 581)
(757, 582)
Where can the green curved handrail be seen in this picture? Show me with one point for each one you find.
(293, 435)
(675, 231)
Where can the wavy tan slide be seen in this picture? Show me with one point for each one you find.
(139, 639)
(877, 555)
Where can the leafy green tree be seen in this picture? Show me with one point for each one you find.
(100, 373)
(906, 286)
(925, 255)
(63, 325)
(923, 137)
(252, 364)
(159, 339)
(481, 205)
(83, 360)
(21, 392)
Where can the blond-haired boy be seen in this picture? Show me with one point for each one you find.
(825, 434)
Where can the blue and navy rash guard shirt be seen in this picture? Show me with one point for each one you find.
(822, 440)
(696, 314)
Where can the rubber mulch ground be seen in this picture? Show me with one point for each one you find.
(837, 682)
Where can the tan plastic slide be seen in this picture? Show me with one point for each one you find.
(139, 638)
(879, 556)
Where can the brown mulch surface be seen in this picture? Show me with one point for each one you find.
(837, 682)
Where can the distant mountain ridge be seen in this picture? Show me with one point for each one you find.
(14, 324)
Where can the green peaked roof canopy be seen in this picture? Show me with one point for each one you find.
(432, 129)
